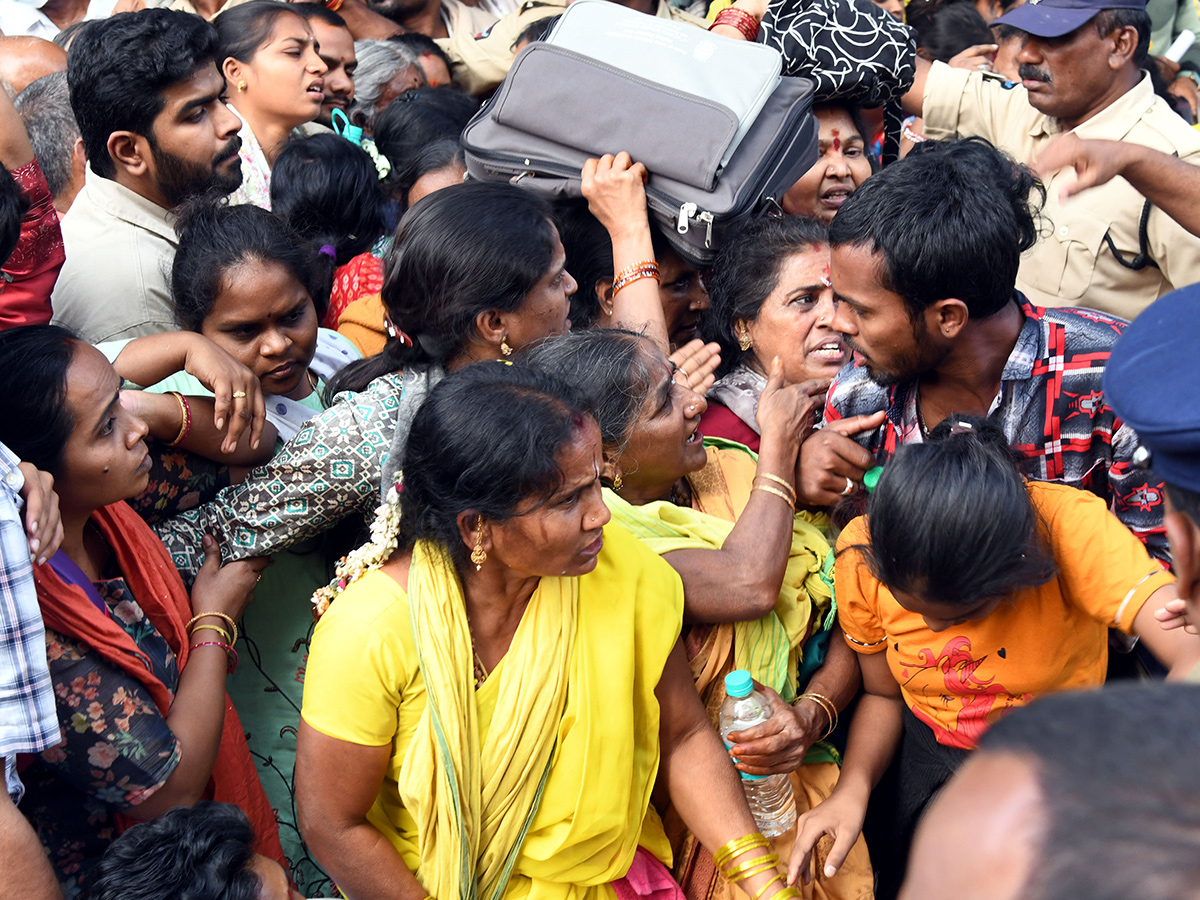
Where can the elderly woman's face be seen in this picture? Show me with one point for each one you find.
(665, 443)
(561, 535)
(795, 321)
(841, 168)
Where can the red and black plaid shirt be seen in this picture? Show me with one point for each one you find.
(1051, 406)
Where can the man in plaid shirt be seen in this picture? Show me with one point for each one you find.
(28, 719)
(924, 259)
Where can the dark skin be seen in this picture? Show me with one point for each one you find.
(337, 781)
(26, 872)
(101, 466)
(958, 364)
(741, 580)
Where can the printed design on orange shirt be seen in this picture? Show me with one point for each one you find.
(978, 696)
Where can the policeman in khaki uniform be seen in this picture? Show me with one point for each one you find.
(1107, 248)
(480, 61)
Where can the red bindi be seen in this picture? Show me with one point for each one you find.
(827, 278)
(837, 139)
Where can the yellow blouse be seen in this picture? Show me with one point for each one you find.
(363, 684)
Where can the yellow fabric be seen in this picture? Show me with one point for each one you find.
(769, 648)
(720, 492)
(362, 324)
(364, 684)
(471, 800)
(1047, 638)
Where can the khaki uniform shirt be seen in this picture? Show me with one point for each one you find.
(1072, 264)
(480, 61)
(116, 280)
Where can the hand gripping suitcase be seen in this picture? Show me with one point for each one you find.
(714, 163)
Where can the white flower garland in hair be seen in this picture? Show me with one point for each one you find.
(370, 556)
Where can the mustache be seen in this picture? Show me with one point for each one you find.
(853, 346)
(231, 150)
(1032, 73)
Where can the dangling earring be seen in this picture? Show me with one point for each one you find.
(241, 87)
(618, 483)
(504, 348)
(744, 339)
(478, 555)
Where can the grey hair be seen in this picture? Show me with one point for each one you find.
(45, 108)
(378, 63)
(611, 367)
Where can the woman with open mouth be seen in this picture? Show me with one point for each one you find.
(770, 297)
(274, 82)
(755, 571)
(843, 165)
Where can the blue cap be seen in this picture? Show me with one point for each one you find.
(1150, 383)
(738, 683)
(1054, 18)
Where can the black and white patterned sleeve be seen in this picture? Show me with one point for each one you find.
(851, 49)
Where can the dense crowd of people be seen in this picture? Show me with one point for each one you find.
(370, 529)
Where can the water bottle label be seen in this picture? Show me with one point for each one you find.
(746, 776)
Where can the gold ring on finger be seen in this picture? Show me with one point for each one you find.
(239, 395)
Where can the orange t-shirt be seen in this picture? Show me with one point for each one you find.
(1047, 638)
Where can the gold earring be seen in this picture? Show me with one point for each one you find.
(618, 483)
(241, 87)
(504, 348)
(478, 555)
(744, 340)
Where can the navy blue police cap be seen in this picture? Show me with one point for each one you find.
(1054, 18)
(1151, 383)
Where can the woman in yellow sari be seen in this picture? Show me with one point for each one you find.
(486, 713)
(756, 574)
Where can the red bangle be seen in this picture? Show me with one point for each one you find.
(230, 653)
(334, 5)
(739, 19)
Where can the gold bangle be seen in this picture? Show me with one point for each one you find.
(746, 865)
(185, 419)
(228, 621)
(778, 493)
(762, 890)
(737, 847)
(827, 706)
(782, 482)
(830, 709)
(756, 866)
(217, 628)
(785, 894)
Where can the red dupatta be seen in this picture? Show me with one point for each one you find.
(159, 591)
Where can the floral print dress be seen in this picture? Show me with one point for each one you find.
(116, 748)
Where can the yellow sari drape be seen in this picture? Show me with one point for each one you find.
(472, 802)
(768, 648)
(771, 649)
(536, 787)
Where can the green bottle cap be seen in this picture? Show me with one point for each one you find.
(871, 478)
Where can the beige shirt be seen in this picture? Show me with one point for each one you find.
(480, 61)
(1072, 264)
(116, 280)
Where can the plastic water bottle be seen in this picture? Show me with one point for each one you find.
(770, 796)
